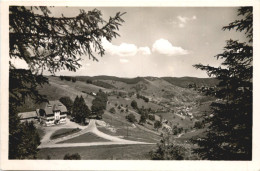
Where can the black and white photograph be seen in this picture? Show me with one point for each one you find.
(126, 83)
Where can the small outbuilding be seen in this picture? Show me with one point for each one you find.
(28, 116)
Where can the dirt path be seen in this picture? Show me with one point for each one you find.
(90, 128)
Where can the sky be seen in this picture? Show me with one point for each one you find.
(160, 41)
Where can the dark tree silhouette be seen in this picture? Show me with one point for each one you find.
(49, 43)
(67, 102)
(230, 131)
(80, 110)
(99, 104)
(157, 125)
(134, 104)
(168, 150)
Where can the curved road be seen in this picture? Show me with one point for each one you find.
(93, 129)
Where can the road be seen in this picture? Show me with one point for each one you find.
(91, 128)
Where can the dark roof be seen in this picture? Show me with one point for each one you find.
(53, 106)
(27, 115)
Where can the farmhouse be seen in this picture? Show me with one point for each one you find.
(52, 113)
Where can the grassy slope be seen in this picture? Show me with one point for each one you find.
(85, 138)
(185, 81)
(113, 152)
(63, 132)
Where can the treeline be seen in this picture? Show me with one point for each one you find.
(100, 84)
(139, 96)
(112, 78)
(68, 78)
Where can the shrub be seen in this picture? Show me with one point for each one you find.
(112, 110)
(151, 117)
(75, 156)
(167, 150)
(157, 125)
(73, 79)
(198, 125)
(134, 104)
(89, 81)
(131, 118)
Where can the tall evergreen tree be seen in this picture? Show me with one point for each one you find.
(230, 132)
(75, 108)
(80, 110)
(67, 102)
(49, 43)
(99, 104)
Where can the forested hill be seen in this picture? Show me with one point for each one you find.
(178, 81)
(184, 81)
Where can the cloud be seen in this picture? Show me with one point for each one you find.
(124, 49)
(144, 50)
(163, 46)
(124, 60)
(182, 20)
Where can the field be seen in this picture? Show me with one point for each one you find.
(63, 132)
(88, 137)
(112, 152)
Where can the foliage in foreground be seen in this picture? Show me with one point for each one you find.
(75, 156)
(47, 43)
(168, 150)
(230, 132)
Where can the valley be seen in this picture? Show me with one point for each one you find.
(177, 108)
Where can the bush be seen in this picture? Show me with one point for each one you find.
(134, 104)
(177, 130)
(89, 81)
(157, 125)
(112, 110)
(73, 79)
(198, 125)
(131, 118)
(151, 117)
(75, 156)
(167, 150)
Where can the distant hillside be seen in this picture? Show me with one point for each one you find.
(113, 78)
(185, 81)
(178, 81)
